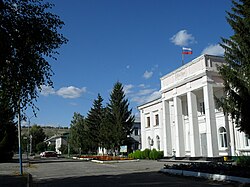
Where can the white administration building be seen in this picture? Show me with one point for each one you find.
(185, 121)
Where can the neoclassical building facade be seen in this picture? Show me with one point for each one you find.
(186, 121)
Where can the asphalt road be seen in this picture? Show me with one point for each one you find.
(67, 172)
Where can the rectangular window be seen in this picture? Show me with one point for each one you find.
(156, 120)
(136, 131)
(247, 140)
(148, 122)
(223, 140)
(202, 108)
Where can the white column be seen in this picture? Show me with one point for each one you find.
(167, 143)
(212, 140)
(231, 134)
(143, 132)
(180, 150)
(193, 124)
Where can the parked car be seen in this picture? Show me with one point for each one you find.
(48, 154)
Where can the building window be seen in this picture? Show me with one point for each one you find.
(148, 122)
(202, 108)
(156, 120)
(158, 142)
(247, 140)
(136, 131)
(223, 137)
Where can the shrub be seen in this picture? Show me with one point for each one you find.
(153, 155)
(243, 161)
(137, 154)
(161, 154)
(146, 153)
(131, 155)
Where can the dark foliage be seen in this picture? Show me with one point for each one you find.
(78, 137)
(93, 121)
(8, 132)
(236, 73)
(28, 38)
(214, 168)
(38, 136)
(118, 116)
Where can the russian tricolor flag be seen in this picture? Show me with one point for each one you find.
(187, 51)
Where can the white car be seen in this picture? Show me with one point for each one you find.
(48, 154)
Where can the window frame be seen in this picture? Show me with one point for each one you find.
(223, 137)
(147, 121)
(157, 120)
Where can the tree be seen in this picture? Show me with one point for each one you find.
(119, 116)
(28, 39)
(236, 73)
(40, 147)
(78, 134)
(106, 131)
(8, 131)
(38, 136)
(93, 121)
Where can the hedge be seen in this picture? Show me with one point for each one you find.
(146, 154)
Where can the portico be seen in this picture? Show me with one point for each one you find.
(191, 123)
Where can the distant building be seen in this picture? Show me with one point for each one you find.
(185, 120)
(58, 141)
(136, 135)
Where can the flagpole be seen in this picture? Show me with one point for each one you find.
(185, 51)
(182, 60)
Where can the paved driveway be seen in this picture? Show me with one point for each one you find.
(64, 172)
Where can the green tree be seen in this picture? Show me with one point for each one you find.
(106, 132)
(38, 136)
(119, 116)
(8, 131)
(236, 73)
(40, 147)
(28, 39)
(78, 134)
(93, 121)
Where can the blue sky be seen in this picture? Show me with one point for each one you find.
(132, 41)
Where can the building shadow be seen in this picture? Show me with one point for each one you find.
(13, 181)
(132, 179)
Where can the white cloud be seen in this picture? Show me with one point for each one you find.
(127, 88)
(128, 66)
(47, 90)
(214, 50)
(145, 91)
(154, 95)
(70, 92)
(182, 38)
(143, 94)
(142, 85)
(147, 74)
(146, 98)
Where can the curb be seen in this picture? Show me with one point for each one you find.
(215, 177)
(106, 161)
(113, 161)
(86, 159)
